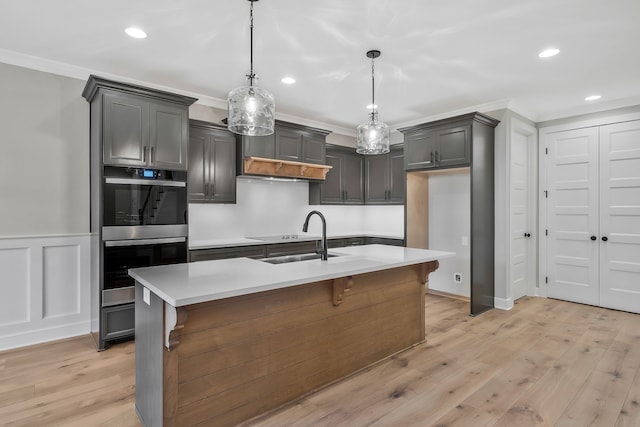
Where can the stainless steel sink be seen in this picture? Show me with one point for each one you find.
(294, 258)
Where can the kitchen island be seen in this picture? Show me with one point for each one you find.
(219, 342)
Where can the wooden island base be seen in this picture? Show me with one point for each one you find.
(233, 359)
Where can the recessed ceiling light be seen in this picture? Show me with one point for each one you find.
(136, 33)
(288, 80)
(592, 97)
(372, 106)
(547, 53)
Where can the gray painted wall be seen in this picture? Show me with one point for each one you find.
(44, 154)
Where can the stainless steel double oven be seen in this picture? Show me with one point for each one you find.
(144, 223)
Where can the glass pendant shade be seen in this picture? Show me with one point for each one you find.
(251, 111)
(372, 137)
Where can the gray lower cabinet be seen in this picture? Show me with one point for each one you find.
(117, 322)
(346, 241)
(384, 241)
(212, 164)
(344, 182)
(257, 251)
(294, 248)
(384, 178)
(144, 132)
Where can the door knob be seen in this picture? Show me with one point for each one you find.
(593, 237)
(605, 238)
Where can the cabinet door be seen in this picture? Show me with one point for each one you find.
(198, 172)
(419, 150)
(288, 145)
(331, 188)
(222, 167)
(397, 179)
(454, 146)
(377, 179)
(352, 185)
(260, 146)
(126, 130)
(313, 149)
(168, 136)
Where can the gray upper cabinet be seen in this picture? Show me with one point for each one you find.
(288, 145)
(344, 182)
(259, 146)
(300, 143)
(290, 141)
(212, 164)
(384, 178)
(439, 146)
(138, 126)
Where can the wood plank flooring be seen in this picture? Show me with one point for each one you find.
(544, 363)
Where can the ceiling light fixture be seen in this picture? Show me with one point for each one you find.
(251, 108)
(373, 136)
(592, 97)
(136, 33)
(288, 80)
(547, 53)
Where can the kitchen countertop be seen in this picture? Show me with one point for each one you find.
(191, 283)
(262, 240)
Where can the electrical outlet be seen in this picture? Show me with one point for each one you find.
(457, 278)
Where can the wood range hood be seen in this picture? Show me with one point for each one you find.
(284, 168)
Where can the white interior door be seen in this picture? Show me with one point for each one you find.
(572, 215)
(620, 216)
(520, 226)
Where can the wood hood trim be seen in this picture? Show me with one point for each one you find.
(284, 168)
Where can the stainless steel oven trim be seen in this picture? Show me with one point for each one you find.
(134, 242)
(144, 232)
(118, 296)
(134, 181)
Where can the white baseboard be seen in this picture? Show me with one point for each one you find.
(39, 336)
(503, 304)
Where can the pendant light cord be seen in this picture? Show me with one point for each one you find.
(373, 90)
(251, 75)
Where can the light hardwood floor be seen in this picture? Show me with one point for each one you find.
(544, 363)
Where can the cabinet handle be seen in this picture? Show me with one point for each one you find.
(593, 237)
(144, 154)
(605, 238)
(437, 157)
(151, 155)
(431, 157)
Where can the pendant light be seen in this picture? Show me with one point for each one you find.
(373, 136)
(251, 108)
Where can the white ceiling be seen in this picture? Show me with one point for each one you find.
(437, 57)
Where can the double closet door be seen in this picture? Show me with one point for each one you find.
(593, 215)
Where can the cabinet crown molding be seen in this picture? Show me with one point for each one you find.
(478, 117)
(95, 83)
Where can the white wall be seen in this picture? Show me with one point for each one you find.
(272, 207)
(449, 225)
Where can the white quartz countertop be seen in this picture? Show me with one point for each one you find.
(261, 240)
(191, 283)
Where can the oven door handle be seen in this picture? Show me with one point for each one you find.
(159, 182)
(134, 242)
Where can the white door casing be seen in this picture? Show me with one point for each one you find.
(572, 215)
(521, 226)
(620, 216)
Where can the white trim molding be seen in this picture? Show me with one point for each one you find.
(503, 304)
(45, 287)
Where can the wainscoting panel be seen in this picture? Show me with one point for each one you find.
(14, 267)
(45, 289)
